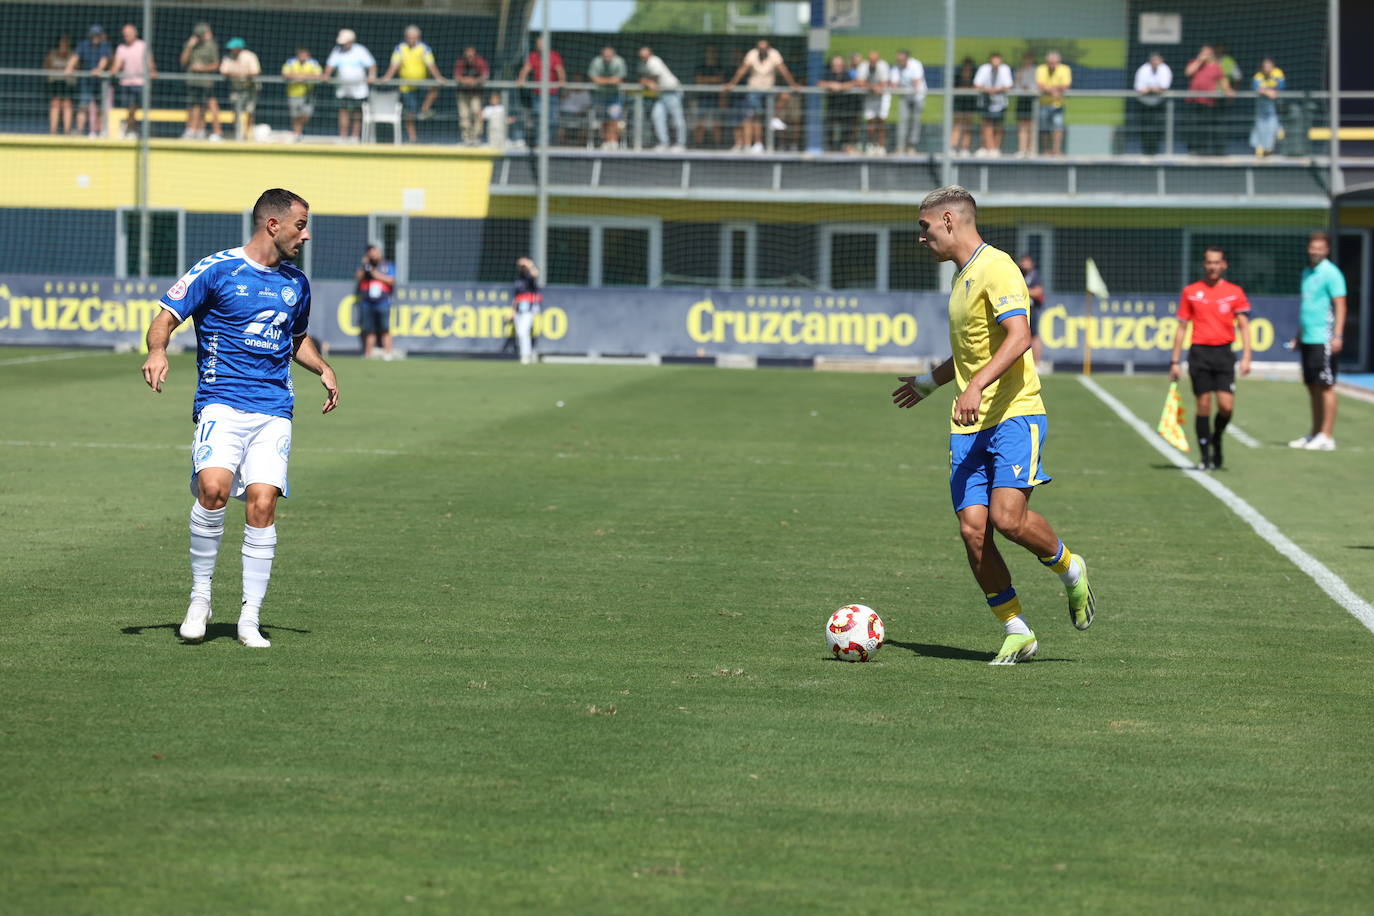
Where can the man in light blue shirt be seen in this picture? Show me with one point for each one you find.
(1321, 323)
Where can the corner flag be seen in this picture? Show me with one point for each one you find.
(1171, 421)
(1094, 282)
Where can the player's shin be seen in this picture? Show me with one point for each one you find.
(259, 547)
(207, 529)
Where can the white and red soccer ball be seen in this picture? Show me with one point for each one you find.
(855, 633)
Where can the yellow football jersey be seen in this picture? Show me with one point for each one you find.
(986, 290)
(412, 63)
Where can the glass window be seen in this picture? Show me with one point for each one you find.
(164, 242)
(624, 257)
(854, 260)
(569, 255)
(691, 253)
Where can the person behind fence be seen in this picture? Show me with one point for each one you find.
(708, 109)
(1025, 87)
(965, 109)
(842, 107)
(1152, 80)
(993, 81)
(497, 121)
(242, 67)
(762, 64)
(412, 59)
(526, 303)
(134, 64)
(558, 78)
(93, 57)
(1208, 80)
(876, 76)
(1035, 288)
(376, 281)
(471, 73)
(1268, 82)
(356, 68)
(1054, 79)
(657, 78)
(61, 87)
(909, 76)
(200, 56)
(608, 71)
(301, 73)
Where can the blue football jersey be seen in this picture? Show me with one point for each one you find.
(247, 319)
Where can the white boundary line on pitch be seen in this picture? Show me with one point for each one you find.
(1330, 583)
(155, 446)
(78, 354)
(1243, 437)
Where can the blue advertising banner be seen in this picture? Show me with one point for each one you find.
(104, 311)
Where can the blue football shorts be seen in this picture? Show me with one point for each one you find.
(1005, 455)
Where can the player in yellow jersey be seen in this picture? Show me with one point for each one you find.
(998, 423)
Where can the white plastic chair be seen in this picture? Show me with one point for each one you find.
(382, 108)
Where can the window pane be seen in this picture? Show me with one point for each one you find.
(1264, 265)
(1130, 260)
(739, 257)
(909, 265)
(625, 257)
(787, 255)
(503, 240)
(162, 247)
(691, 254)
(854, 260)
(569, 255)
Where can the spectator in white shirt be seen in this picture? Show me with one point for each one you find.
(909, 76)
(356, 68)
(658, 79)
(993, 81)
(875, 75)
(1152, 80)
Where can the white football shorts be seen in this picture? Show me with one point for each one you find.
(255, 446)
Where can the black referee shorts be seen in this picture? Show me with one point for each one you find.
(1318, 368)
(1212, 368)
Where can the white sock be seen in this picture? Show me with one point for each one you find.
(207, 528)
(1071, 575)
(259, 547)
(1016, 626)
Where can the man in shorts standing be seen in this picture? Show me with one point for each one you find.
(376, 281)
(251, 311)
(998, 422)
(200, 56)
(301, 73)
(1320, 339)
(1215, 308)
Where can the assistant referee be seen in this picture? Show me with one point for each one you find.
(1215, 308)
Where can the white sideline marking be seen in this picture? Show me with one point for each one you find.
(18, 360)
(1243, 437)
(33, 443)
(1330, 583)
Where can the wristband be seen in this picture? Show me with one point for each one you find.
(925, 384)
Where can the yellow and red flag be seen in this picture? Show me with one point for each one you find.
(1171, 421)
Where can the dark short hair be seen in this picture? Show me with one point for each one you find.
(1217, 248)
(275, 202)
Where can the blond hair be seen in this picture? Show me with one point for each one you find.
(952, 195)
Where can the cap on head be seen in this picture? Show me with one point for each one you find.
(96, 30)
(346, 37)
(235, 44)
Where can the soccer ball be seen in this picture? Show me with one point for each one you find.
(855, 633)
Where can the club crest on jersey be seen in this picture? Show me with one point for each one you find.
(967, 285)
(178, 290)
(288, 295)
(241, 289)
(284, 446)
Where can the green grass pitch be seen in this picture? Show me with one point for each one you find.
(569, 659)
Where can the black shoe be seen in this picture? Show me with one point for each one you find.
(1216, 453)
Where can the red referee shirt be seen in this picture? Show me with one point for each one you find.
(1212, 310)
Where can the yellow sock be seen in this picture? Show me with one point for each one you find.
(1005, 605)
(1059, 561)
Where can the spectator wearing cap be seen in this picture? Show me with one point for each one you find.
(412, 59)
(200, 55)
(356, 68)
(92, 57)
(471, 73)
(134, 64)
(301, 73)
(243, 68)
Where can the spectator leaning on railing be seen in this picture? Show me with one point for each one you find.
(1054, 79)
(200, 55)
(910, 76)
(558, 77)
(842, 107)
(471, 73)
(1268, 82)
(412, 59)
(761, 64)
(243, 68)
(61, 86)
(993, 81)
(1152, 80)
(134, 64)
(875, 75)
(658, 79)
(1205, 75)
(356, 68)
(608, 71)
(93, 57)
(1025, 105)
(301, 73)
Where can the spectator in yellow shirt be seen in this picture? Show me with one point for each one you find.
(1054, 79)
(412, 59)
(301, 73)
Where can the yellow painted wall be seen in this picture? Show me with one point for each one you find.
(228, 177)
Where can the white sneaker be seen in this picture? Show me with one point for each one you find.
(251, 637)
(756, 148)
(1300, 442)
(677, 148)
(1321, 442)
(198, 614)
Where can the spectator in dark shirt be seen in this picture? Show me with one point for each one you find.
(842, 106)
(93, 56)
(708, 111)
(471, 73)
(1036, 288)
(965, 109)
(61, 87)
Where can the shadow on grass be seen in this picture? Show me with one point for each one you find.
(934, 650)
(1359, 546)
(212, 632)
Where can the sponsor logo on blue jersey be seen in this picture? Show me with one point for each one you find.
(244, 344)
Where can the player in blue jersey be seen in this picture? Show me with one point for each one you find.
(251, 310)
